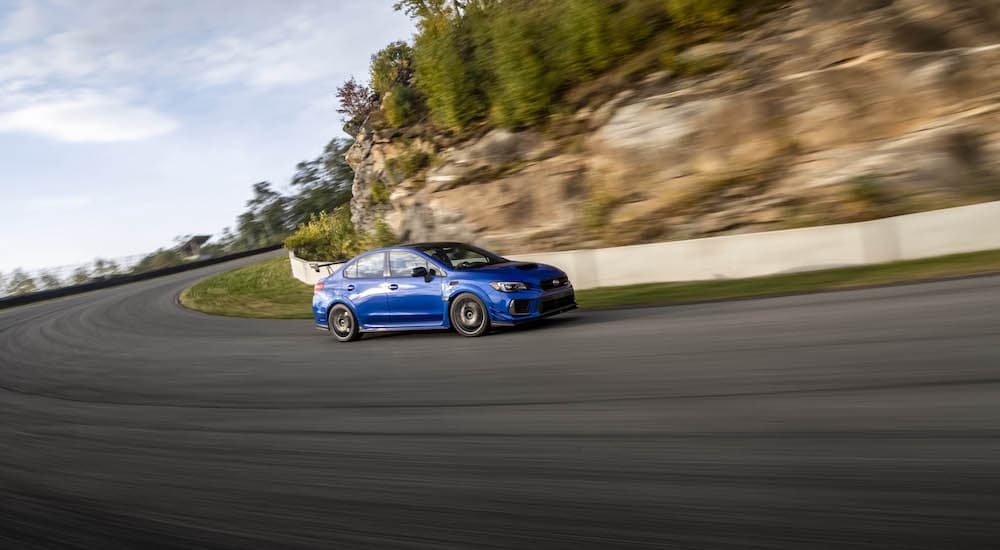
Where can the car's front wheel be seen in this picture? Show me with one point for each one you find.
(468, 315)
(343, 325)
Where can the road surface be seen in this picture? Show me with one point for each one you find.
(862, 419)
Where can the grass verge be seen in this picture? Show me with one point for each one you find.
(793, 283)
(264, 290)
(268, 290)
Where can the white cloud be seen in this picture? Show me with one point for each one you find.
(24, 23)
(251, 82)
(87, 117)
(296, 51)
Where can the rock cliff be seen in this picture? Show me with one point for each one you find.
(826, 112)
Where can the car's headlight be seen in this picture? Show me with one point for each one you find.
(504, 286)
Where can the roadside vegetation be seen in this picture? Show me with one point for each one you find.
(264, 290)
(268, 290)
(332, 237)
(511, 63)
(793, 283)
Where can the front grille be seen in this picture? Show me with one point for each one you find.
(554, 304)
(549, 284)
(520, 307)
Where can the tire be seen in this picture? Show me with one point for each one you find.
(343, 324)
(468, 315)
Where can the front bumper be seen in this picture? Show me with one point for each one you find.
(507, 309)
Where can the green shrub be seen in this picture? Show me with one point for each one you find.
(597, 210)
(583, 31)
(401, 105)
(445, 72)
(383, 235)
(380, 193)
(391, 66)
(512, 60)
(867, 189)
(700, 13)
(525, 84)
(332, 237)
(416, 160)
(327, 237)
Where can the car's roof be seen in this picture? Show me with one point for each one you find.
(411, 245)
(433, 244)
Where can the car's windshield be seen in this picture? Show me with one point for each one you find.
(460, 256)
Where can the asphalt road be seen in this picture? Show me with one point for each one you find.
(864, 419)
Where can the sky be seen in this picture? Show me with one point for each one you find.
(125, 123)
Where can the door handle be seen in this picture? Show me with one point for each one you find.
(393, 286)
(350, 287)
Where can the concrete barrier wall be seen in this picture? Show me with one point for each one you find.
(913, 236)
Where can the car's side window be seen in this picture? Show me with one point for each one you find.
(351, 271)
(401, 263)
(371, 266)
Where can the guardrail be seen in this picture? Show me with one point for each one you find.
(909, 237)
(11, 301)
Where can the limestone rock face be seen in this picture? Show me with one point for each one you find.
(827, 112)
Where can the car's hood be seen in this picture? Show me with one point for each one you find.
(517, 271)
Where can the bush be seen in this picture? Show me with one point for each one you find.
(525, 84)
(380, 193)
(333, 237)
(327, 237)
(513, 60)
(356, 102)
(445, 72)
(699, 13)
(392, 65)
(401, 105)
(583, 33)
(383, 235)
(408, 164)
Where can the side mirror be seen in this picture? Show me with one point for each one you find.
(420, 271)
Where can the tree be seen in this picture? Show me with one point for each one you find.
(267, 220)
(447, 74)
(422, 9)
(162, 258)
(104, 269)
(323, 184)
(390, 66)
(228, 242)
(50, 280)
(20, 282)
(357, 101)
(80, 275)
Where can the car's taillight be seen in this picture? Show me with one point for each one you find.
(318, 287)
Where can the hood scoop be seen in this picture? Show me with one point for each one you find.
(527, 267)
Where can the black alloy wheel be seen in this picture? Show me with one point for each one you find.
(343, 325)
(468, 315)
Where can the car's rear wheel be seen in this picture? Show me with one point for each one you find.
(468, 315)
(343, 325)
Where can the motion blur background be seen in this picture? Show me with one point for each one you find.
(200, 408)
(533, 126)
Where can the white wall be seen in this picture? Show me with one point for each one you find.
(913, 236)
(305, 271)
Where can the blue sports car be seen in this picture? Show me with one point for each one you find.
(437, 286)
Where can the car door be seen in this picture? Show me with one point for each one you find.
(365, 288)
(414, 301)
